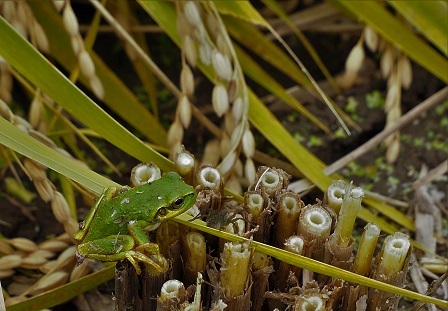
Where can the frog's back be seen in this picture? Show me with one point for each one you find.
(139, 203)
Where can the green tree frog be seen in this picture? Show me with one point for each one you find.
(114, 229)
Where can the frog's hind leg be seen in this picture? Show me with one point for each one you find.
(120, 247)
(134, 258)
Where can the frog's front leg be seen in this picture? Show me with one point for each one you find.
(140, 237)
(119, 247)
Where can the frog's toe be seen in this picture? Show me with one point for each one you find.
(134, 263)
(149, 249)
(159, 265)
(123, 189)
(79, 258)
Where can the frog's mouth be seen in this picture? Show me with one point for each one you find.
(152, 226)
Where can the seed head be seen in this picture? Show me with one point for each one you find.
(187, 81)
(60, 207)
(23, 244)
(41, 37)
(249, 170)
(371, 38)
(386, 62)
(190, 50)
(227, 164)
(205, 53)
(97, 87)
(220, 99)
(237, 108)
(192, 13)
(248, 142)
(70, 21)
(221, 65)
(184, 111)
(175, 133)
(405, 68)
(86, 64)
(355, 58)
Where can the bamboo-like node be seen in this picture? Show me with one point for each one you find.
(270, 180)
(334, 195)
(294, 244)
(315, 220)
(395, 251)
(171, 289)
(254, 202)
(311, 302)
(209, 177)
(144, 173)
(184, 163)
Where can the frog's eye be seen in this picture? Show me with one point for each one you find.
(178, 203)
(162, 212)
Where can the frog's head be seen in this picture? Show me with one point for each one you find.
(175, 197)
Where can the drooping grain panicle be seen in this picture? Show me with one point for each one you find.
(175, 134)
(202, 32)
(85, 61)
(228, 163)
(222, 65)
(21, 17)
(36, 171)
(396, 68)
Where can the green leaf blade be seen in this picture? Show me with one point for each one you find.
(429, 17)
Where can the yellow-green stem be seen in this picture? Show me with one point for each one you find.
(351, 203)
(363, 260)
